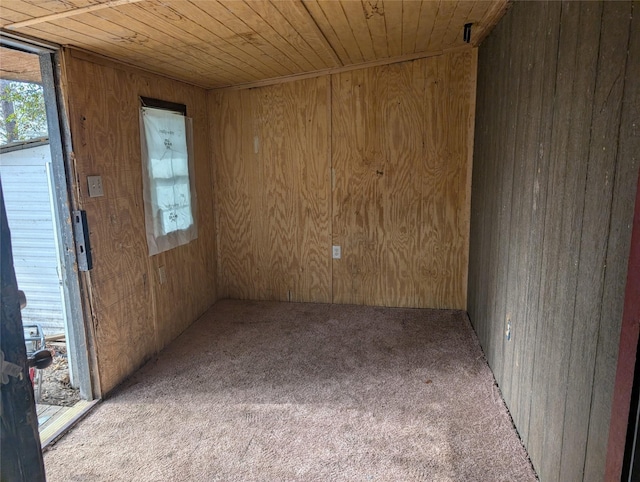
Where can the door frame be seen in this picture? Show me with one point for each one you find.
(79, 347)
(621, 416)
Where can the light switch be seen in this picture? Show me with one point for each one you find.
(95, 186)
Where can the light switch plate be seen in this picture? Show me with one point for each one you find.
(337, 252)
(95, 186)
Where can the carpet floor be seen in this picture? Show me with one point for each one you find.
(265, 391)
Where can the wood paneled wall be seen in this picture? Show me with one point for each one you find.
(554, 179)
(374, 160)
(401, 150)
(271, 156)
(134, 315)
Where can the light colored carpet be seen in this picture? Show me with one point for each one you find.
(264, 391)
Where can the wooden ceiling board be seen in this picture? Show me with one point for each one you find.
(16, 11)
(268, 22)
(19, 66)
(36, 9)
(104, 37)
(70, 11)
(429, 11)
(219, 43)
(375, 17)
(315, 10)
(244, 12)
(393, 26)
(455, 29)
(358, 23)
(210, 30)
(189, 39)
(145, 58)
(239, 33)
(173, 40)
(410, 21)
(446, 12)
(309, 45)
(337, 18)
(299, 18)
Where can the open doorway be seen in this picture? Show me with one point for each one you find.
(33, 176)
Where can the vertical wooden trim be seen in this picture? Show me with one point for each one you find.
(470, 136)
(331, 174)
(87, 300)
(153, 282)
(629, 332)
(60, 142)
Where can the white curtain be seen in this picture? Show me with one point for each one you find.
(168, 192)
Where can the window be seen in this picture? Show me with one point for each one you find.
(169, 194)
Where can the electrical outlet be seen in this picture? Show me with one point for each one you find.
(337, 252)
(95, 186)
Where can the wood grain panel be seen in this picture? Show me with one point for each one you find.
(392, 10)
(358, 162)
(426, 21)
(20, 66)
(400, 163)
(173, 67)
(328, 30)
(134, 315)
(272, 184)
(562, 246)
(94, 34)
(620, 287)
(566, 190)
(410, 21)
(375, 16)
(252, 19)
(529, 299)
(592, 264)
(219, 43)
(444, 23)
(206, 33)
(232, 194)
(298, 17)
(143, 23)
(337, 18)
(517, 201)
(237, 32)
(461, 16)
(558, 273)
(400, 201)
(354, 11)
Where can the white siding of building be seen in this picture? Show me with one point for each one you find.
(26, 187)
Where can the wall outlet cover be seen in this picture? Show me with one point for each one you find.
(95, 186)
(337, 252)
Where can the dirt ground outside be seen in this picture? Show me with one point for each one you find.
(56, 385)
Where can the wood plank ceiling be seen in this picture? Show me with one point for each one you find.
(20, 66)
(219, 43)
